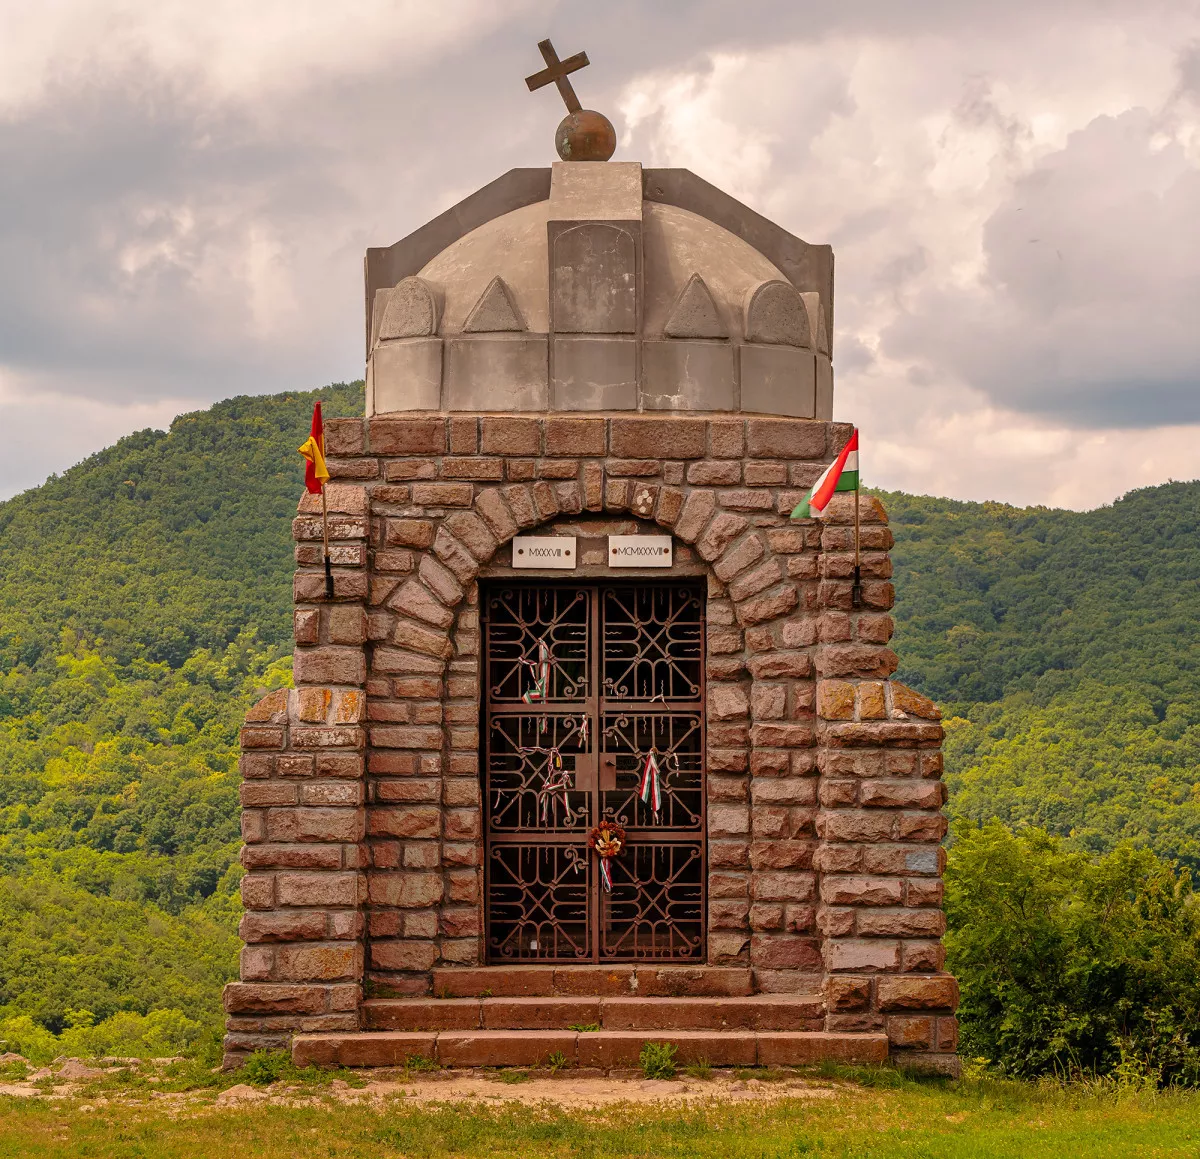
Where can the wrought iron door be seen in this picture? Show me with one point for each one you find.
(583, 683)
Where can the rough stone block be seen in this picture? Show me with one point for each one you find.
(510, 436)
(403, 955)
(785, 439)
(646, 438)
(330, 665)
(329, 961)
(497, 373)
(911, 1033)
(861, 955)
(575, 437)
(595, 374)
(904, 923)
(688, 376)
(407, 375)
(406, 890)
(847, 994)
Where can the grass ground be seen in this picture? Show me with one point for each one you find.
(877, 1117)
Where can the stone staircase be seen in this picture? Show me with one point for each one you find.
(593, 1016)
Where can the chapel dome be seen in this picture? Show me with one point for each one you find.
(603, 288)
(677, 245)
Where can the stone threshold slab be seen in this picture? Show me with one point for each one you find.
(752, 1012)
(592, 981)
(604, 1048)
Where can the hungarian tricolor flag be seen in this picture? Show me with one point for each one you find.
(840, 475)
(316, 474)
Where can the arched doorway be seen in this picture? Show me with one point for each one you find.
(585, 682)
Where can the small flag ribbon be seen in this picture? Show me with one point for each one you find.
(557, 781)
(541, 679)
(840, 475)
(316, 475)
(541, 676)
(649, 788)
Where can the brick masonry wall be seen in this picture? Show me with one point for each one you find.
(363, 820)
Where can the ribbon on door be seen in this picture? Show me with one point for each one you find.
(541, 679)
(649, 787)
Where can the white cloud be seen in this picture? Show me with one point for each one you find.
(46, 432)
(188, 190)
(1017, 251)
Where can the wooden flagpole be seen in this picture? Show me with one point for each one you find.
(325, 542)
(856, 587)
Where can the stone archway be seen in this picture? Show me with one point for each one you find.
(755, 700)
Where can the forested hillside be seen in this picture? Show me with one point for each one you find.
(144, 602)
(143, 605)
(1065, 648)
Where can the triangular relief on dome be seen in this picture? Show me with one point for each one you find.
(695, 314)
(495, 312)
(411, 311)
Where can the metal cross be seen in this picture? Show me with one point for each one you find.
(557, 71)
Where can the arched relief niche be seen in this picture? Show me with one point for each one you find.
(411, 310)
(775, 313)
(594, 280)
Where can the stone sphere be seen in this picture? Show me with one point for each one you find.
(585, 136)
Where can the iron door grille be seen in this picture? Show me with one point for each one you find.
(582, 681)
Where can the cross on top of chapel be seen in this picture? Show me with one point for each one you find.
(557, 71)
(583, 134)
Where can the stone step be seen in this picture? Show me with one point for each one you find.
(592, 981)
(602, 1048)
(750, 1012)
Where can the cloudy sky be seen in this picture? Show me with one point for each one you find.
(1012, 191)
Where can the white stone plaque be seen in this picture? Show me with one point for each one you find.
(639, 551)
(544, 551)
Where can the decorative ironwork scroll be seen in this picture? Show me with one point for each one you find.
(520, 621)
(653, 642)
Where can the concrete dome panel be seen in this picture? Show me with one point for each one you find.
(677, 244)
(513, 247)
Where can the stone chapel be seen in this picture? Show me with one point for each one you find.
(571, 616)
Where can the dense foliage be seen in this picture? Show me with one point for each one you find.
(144, 603)
(164, 543)
(1072, 964)
(1065, 647)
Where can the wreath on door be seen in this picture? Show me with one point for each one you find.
(607, 839)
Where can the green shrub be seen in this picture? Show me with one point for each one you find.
(264, 1067)
(418, 1064)
(159, 1034)
(658, 1060)
(23, 1036)
(1071, 965)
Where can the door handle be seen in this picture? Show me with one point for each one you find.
(608, 772)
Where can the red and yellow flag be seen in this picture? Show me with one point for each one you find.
(316, 474)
